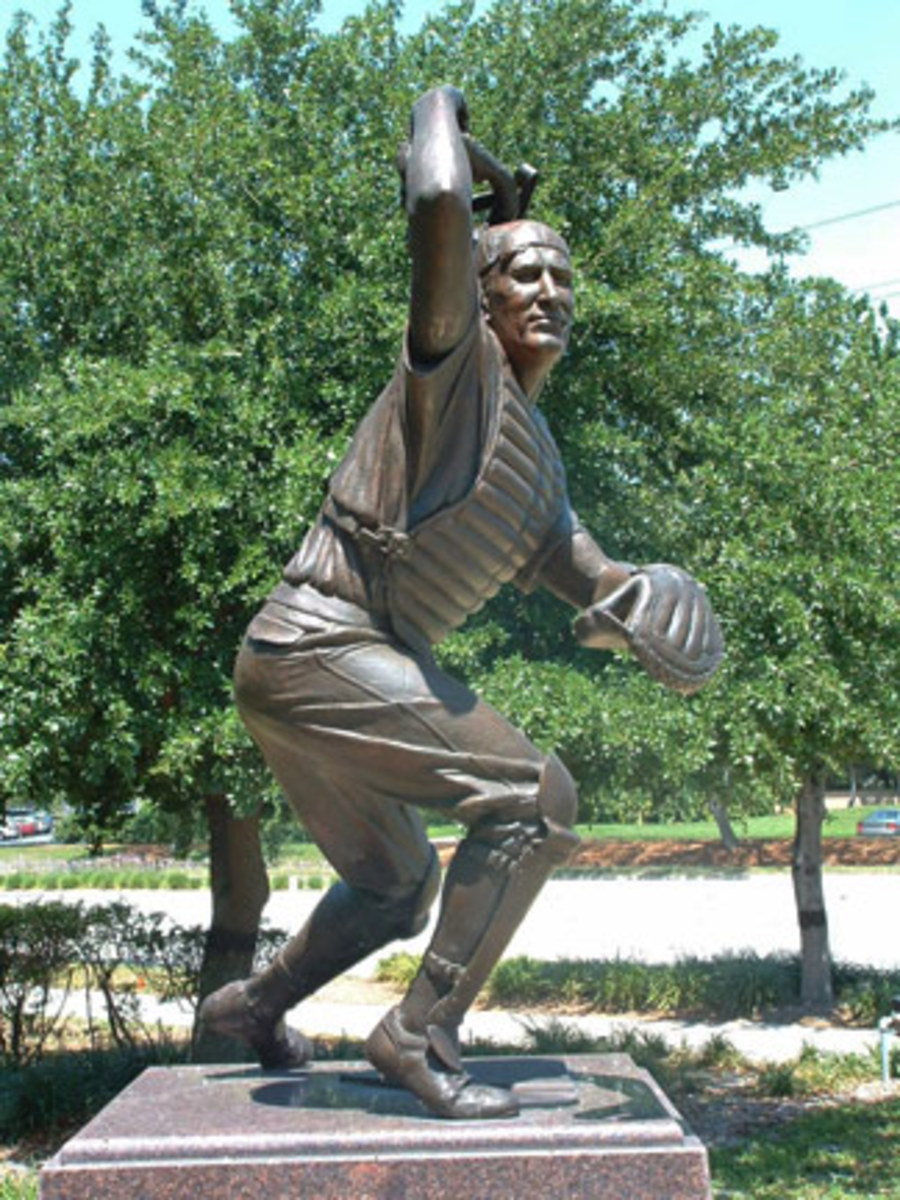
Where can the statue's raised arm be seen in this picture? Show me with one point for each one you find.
(440, 165)
(444, 292)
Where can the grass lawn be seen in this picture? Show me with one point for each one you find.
(850, 1152)
(839, 823)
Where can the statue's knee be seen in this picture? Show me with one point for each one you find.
(408, 914)
(536, 825)
(557, 800)
(557, 793)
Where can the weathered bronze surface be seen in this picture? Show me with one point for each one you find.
(452, 487)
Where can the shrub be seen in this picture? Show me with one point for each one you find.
(177, 879)
(39, 947)
(724, 987)
(47, 949)
(69, 1087)
(398, 969)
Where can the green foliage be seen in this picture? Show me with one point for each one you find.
(68, 1088)
(722, 988)
(37, 954)
(398, 969)
(17, 1184)
(110, 952)
(204, 271)
(103, 878)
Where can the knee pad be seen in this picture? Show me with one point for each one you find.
(501, 846)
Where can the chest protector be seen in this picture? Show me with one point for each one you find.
(448, 566)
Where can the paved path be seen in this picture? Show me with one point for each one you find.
(329, 1014)
(653, 920)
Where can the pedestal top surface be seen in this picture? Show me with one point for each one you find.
(343, 1108)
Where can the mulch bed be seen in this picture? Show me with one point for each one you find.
(752, 852)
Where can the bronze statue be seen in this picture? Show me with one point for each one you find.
(451, 487)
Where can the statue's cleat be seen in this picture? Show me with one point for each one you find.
(405, 1058)
(233, 1011)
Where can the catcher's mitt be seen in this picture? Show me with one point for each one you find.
(663, 616)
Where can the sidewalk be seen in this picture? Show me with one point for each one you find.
(755, 1040)
(329, 1015)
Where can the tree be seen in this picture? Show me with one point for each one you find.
(205, 280)
(801, 495)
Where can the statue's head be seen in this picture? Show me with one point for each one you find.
(526, 287)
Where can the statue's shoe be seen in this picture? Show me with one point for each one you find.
(234, 1011)
(405, 1058)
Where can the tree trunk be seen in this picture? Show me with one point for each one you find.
(730, 839)
(816, 988)
(240, 889)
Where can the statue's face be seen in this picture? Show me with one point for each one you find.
(530, 305)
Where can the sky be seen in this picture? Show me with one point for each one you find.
(849, 241)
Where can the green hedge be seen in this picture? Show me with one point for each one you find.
(721, 988)
(52, 950)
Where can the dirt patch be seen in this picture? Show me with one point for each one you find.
(753, 852)
(726, 1113)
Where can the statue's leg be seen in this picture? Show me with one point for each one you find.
(495, 876)
(357, 734)
(391, 873)
(347, 925)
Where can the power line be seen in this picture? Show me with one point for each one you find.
(851, 216)
(873, 287)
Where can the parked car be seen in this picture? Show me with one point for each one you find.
(44, 822)
(8, 831)
(25, 823)
(884, 822)
(29, 821)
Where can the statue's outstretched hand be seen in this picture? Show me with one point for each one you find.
(664, 617)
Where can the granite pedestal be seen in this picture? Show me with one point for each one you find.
(592, 1126)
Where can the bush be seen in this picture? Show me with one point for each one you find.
(49, 949)
(778, 1080)
(39, 948)
(399, 969)
(724, 988)
(176, 879)
(68, 1087)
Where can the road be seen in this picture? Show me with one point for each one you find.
(654, 920)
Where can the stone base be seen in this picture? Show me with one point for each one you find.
(591, 1126)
